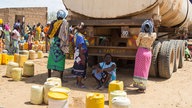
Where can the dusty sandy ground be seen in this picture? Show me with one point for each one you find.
(175, 92)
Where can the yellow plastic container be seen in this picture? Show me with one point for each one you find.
(47, 86)
(10, 58)
(4, 59)
(1, 21)
(16, 58)
(116, 93)
(115, 85)
(36, 94)
(57, 100)
(10, 66)
(94, 100)
(40, 54)
(22, 59)
(0, 58)
(25, 46)
(25, 52)
(55, 79)
(28, 68)
(16, 74)
(32, 54)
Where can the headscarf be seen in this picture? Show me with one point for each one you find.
(147, 27)
(7, 28)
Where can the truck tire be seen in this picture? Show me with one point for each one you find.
(182, 53)
(166, 59)
(177, 54)
(153, 71)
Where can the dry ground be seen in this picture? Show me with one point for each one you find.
(175, 92)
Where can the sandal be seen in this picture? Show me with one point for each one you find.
(102, 87)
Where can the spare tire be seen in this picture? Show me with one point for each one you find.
(166, 59)
(177, 54)
(153, 71)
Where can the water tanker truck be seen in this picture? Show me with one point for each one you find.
(113, 26)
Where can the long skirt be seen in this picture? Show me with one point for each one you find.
(56, 59)
(14, 48)
(142, 65)
(78, 68)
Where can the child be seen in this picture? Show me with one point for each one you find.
(104, 72)
(187, 52)
(30, 40)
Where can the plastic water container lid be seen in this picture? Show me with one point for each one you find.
(60, 89)
(57, 95)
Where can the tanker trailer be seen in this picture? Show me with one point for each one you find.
(113, 27)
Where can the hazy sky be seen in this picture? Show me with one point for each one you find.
(53, 5)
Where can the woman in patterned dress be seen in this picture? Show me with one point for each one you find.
(59, 44)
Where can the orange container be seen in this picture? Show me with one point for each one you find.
(25, 46)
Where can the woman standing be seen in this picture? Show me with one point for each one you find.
(80, 56)
(7, 32)
(143, 56)
(15, 37)
(59, 44)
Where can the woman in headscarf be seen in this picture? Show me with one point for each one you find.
(15, 37)
(58, 34)
(7, 32)
(80, 56)
(143, 56)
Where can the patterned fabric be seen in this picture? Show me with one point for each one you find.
(142, 65)
(145, 40)
(147, 26)
(56, 59)
(14, 48)
(63, 36)
(56, 26)
(7, 39)
(78, 68)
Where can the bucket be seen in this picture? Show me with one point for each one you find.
(4, 59)
(47, 86)
(16, 58)
(22, 60)
(25, 52)
(36, 94)
(121, 102)
(55, 79)
(40, 54)
(116, 93)
(16, 74)
(94, 100)
(10, 66)
(10, 58)
(57, 100)
(32, 54)
(28, 69)
(115, 85)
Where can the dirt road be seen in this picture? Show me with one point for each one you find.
(175, 92)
